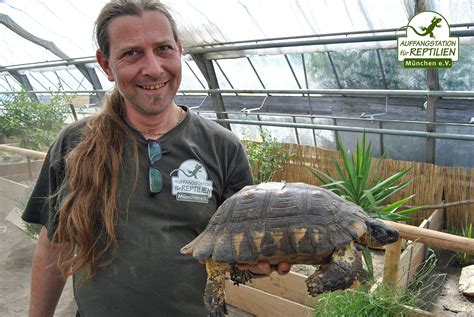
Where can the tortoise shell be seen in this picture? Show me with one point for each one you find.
(279, 222)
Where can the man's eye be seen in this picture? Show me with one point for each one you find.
(131, 53)
(164, 47)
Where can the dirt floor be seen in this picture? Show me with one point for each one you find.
(450, 301)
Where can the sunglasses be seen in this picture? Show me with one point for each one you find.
(154, 175)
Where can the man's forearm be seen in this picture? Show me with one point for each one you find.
(46, 281)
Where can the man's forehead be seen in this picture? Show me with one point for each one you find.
(129, 30)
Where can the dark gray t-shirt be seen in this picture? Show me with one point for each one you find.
(205, 165)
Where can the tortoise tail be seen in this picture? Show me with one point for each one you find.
(201, 247)
(189, 248)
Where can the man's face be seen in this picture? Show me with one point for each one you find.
(144, 61)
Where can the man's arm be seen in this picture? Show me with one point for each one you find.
(46, 281)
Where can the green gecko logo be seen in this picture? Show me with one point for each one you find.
(427, 42)
(435, 23)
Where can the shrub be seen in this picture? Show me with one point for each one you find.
(35, 124)
(267, 157)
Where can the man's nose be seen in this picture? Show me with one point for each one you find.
(152, 65)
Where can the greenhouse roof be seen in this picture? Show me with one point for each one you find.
(253, 44)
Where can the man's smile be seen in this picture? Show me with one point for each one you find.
(152, 87)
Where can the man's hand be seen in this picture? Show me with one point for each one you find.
(264, 268)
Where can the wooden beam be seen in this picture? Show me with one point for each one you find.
(26, 152)
(434, 238)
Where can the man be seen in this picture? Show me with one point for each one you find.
(121, 192)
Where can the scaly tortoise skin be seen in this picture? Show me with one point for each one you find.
(295, 223)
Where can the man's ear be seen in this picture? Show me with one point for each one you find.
(180, 48)
(104, 64)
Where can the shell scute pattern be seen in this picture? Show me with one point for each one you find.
(249, 207)
(298, 220)
(285, 203)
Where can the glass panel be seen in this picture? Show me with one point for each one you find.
(8, 83)
(281, 134)
(358, 69)
(461, 75)
(104, 81)
(306, 136)
(398, 77)
(245, 132)
(319, 71)
(296, 61)
(189, 79)
(43, 81)
(73, 78)
(274, 72)
(239, 72)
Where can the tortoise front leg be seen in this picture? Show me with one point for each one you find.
(214, 297)
(340, 273)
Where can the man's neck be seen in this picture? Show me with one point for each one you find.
(154, 126)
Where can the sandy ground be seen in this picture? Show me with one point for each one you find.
(450, 302)
(16, 252)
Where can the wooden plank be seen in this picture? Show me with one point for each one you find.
(410, 260)
(263, 304)
(403, 277)
(291, 286)
(419, 252)
(20, 168)
(12, 190)
(437, 220)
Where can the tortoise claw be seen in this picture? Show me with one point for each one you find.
(217, 311)
(239, 276)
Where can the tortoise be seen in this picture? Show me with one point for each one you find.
(296, 223)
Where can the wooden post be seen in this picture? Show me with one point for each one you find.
(392, 261)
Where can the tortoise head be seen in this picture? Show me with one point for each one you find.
(379, 233)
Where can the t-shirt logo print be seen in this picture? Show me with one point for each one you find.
(191, 183)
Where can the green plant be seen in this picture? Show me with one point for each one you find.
(386, 300)
(266, 157)
(426, 285)
(463, 258)
(361, 182)
(33, 123)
